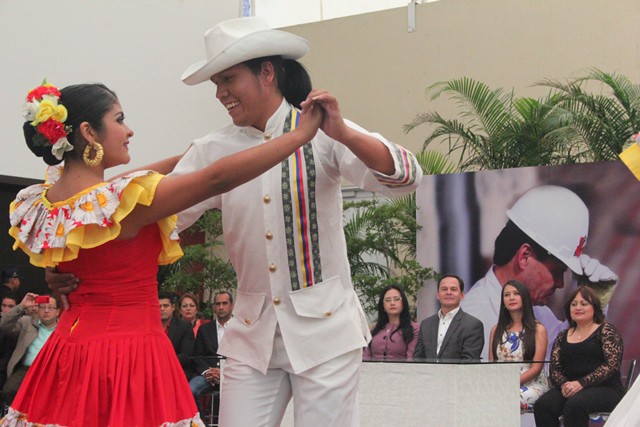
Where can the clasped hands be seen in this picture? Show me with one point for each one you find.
(212, 375)
(570, 388)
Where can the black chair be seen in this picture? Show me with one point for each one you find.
(210, 402)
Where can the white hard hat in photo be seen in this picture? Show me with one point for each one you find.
(556, 219)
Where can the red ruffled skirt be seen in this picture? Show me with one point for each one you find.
(109, 362)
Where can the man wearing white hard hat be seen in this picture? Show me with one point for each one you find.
(298, 328)
(546, 234)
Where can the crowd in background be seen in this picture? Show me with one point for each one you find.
(584, 369)
(583, 376)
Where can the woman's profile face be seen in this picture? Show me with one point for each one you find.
(114, 137)
(581, 310)
(392, 302)
(188, 309)
(512, 298)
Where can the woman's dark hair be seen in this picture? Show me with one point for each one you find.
(405, 317)
(84, 103)
(528, 322)
(291, 77)
(591, 297)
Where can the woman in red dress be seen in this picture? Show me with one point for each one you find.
(109, 362)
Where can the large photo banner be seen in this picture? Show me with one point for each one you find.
(586, 213)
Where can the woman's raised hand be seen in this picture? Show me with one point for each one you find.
(311, 118)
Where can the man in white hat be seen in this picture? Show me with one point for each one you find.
(298, 328)
(546, 234)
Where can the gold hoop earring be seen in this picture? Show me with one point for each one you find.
(86, 155)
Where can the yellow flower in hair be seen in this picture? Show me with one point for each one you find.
(60, 114)
(46, 109)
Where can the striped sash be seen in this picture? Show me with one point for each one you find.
(300, 216)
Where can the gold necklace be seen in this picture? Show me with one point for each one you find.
(587, 328)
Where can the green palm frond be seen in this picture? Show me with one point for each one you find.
(574, 123)
(483, 107)
(434, 163)
(606, 110)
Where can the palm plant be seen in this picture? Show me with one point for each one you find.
(381, 240)
(606, 117)
(381, 246)
(497, 130)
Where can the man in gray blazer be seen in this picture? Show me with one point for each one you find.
(451, 334)
(31, 333)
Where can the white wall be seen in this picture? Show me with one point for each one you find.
(281, 13)
(376, 68)
(138, 48)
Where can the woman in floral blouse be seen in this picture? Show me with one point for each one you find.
(518, 337)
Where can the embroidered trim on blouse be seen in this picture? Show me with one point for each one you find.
(51, 233)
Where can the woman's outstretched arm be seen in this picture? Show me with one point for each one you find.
(164, 166)
(176, 193)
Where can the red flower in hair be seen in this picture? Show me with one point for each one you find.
(45, 89)
(580, 247)
(53, 130)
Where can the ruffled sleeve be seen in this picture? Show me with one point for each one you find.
(51, 233)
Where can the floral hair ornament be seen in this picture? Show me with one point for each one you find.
(47, 116)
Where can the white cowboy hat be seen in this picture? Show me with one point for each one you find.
(237, 40)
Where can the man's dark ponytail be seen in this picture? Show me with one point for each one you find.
(292, 78)
(295, 82)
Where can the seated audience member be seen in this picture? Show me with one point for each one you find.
(519, 337)
(10, 282)
(179, 332)
(585, 366)
(395, 335)
(9, 301)
(205, 360)
(7, 342)
(31, 335)
(451, 334)
(189, 306)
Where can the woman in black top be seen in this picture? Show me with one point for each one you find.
(585, 365)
